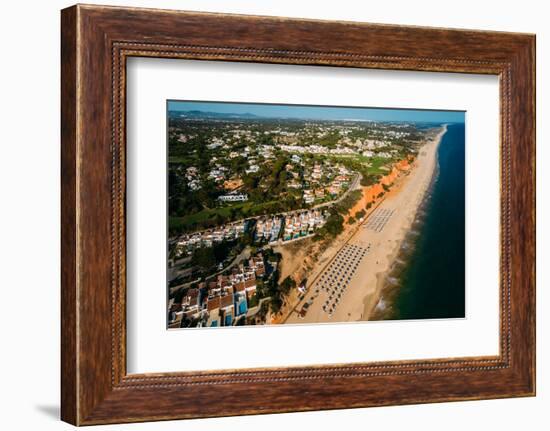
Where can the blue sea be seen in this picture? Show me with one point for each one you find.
(427, 280)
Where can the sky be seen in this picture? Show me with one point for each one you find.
(321, 112)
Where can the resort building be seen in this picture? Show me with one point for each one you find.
(228, 309)
(317, 172)
(309, 197)
(225, 298)
(268, 229)
(188, 242)
(190, 302)
(233, 197)
(213, 308)
(301, 224)
(252, 169)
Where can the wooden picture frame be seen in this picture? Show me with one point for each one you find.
(95, 43)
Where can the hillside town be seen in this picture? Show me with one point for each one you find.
(243, 190)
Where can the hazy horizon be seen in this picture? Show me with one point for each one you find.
(308, 112)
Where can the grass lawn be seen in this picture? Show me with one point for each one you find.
(374, 164)
(200, 217)
(227, 213)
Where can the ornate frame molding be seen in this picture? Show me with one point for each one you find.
(96, 41)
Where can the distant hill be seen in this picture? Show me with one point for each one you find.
(213, 115)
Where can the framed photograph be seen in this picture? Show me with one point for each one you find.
(289, 214)
(322, 214)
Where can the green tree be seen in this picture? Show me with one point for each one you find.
(204, 258)
(334, 224)
(287, 284)
(253, 301)
(276, 304)
(368, 180)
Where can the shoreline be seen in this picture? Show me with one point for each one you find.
(366, 280)
(382, 276)
(392, 257)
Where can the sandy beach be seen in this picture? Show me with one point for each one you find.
(346, 280)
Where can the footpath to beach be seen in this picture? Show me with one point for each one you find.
(380, 236)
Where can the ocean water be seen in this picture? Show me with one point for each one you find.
(427, 280)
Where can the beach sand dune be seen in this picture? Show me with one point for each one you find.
(347, 281)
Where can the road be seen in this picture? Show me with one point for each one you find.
(245, 254)
(353, 186)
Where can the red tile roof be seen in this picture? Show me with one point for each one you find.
(226, 301)
(250, 283)
(176, 306)
(213, 303)
(192, 294)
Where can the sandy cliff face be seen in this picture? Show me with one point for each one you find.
(298, 262)
(371, 193)
(398, 168)
(388, 180)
